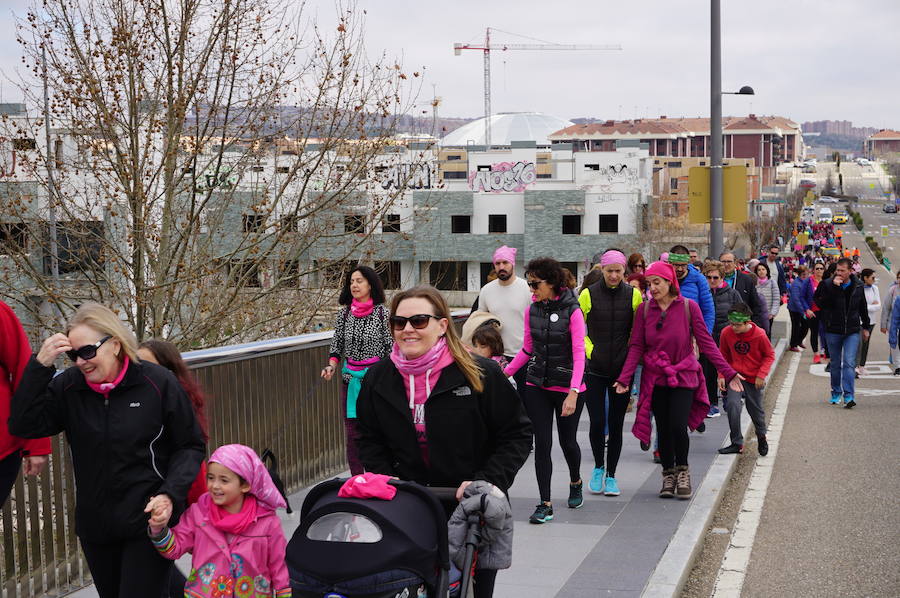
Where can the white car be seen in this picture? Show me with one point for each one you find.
(827, 199)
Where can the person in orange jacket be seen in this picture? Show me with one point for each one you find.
(15, 452)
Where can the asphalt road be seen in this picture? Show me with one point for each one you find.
(831, 521)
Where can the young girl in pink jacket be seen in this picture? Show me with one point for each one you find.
(232, 531)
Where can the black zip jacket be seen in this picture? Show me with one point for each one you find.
(471, 436)
(141, 441)
(842, 310)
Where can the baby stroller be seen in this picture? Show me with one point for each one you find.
(370, 548)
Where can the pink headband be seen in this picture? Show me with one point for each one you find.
(244, 461)
(613, 257)
(505, 254)
(663, 270)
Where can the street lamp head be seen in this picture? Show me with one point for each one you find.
(746, 90)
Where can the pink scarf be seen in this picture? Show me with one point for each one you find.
(421, 364)
(104, 388)
(230, 523)
(361, 309)
(762, 280)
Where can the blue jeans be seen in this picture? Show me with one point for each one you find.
(842, 349)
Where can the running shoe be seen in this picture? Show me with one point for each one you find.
(796, 349)
(835, 399)
(732, 449)
(862, 371)
(849, 403)
(645, 446)
(817, 358)
(701, 428)
(542, 514)
(595, 486)
(713, 412)
(656, 458)
(897, 372)
(611, 487)
(576, 499)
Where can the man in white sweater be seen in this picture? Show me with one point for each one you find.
(508, 297)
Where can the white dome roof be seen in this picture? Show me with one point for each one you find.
(507, 127)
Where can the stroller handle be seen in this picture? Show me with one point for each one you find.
(443, 494)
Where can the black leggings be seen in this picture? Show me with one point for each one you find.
(671, 408)
(541, 404)
(712, 380)
(799, 327)
(127, 568)
(9, 471)
(813, 324)
(598, 388)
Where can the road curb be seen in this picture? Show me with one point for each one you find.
(673, 569)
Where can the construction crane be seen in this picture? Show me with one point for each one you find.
(487, 48)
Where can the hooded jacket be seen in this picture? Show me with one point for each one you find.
(723, 298)
(141, 441)
(695, 288)
(470, 435)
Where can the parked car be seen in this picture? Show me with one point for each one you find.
(827, 199)
(809, 168)
(840, 219)
(889, 208)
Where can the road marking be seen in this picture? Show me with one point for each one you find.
(733, 571)
(878, 370)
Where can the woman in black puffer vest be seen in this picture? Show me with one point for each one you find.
(553, 348)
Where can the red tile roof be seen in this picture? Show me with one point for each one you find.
(674, 127)
(886, 134)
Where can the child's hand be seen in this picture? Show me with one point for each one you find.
(160, 509)
(760, 383)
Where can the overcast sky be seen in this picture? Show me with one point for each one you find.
(806, 59)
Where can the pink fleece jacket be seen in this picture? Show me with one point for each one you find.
(668, 355)
(250, 563)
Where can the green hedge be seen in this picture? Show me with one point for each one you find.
(875, 247)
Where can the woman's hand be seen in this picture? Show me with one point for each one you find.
(735, 383)
(34, 464)
(160, 509)
(462, 489)
(328, 371)
(52, 348)
(620, 388)
(568, 406)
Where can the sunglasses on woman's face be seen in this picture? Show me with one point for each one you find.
(710, 277)
(534, 284)
(661, 320)
(418, 321)
(86, 352)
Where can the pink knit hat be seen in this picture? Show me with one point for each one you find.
(663, 270)
(244, 461)
(505, 253)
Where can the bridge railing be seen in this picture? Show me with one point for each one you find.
(267, 394)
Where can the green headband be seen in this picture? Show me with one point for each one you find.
(737, 318)
(679, 258)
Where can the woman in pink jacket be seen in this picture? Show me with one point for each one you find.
(232, 531)
(672, 383)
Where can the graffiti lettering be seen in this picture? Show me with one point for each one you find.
(412, 176)
(503, 176)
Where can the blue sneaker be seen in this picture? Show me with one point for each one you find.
(542, 514)
(849, 403)
(612, 488)
(713, 411)
(835, 399)
(595, 486)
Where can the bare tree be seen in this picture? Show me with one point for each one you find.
(212, 164)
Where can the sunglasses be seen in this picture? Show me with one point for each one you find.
(534, 284)
(661, 320)
(714, 277)
(86, 352)
(418, 321)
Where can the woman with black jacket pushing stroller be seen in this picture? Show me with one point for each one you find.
(433, 414)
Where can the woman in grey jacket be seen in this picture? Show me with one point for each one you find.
(768, 292)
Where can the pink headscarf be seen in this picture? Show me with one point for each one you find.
(244, 461)
(505, 254)
(663, 270)
(613, 257)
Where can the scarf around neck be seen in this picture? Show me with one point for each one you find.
(423, 364)
(361, 309)
(231, 523)
(763, 280)
(105, 388)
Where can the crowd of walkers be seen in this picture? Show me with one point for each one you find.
(424, 403)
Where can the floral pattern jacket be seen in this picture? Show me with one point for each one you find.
(246, 565)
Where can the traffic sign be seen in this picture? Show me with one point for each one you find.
(884, 230)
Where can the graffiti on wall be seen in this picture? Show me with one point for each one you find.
(612, 175)
(503, 177)
(412, 176)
